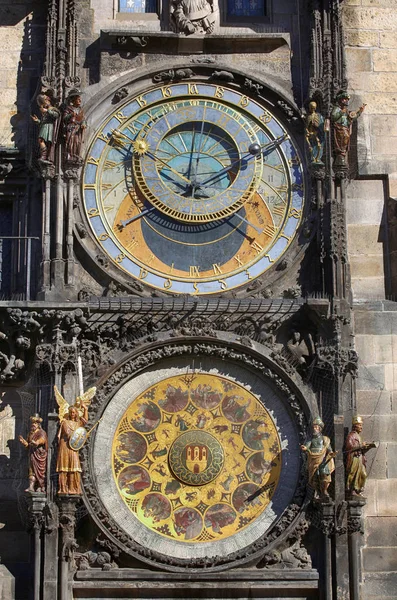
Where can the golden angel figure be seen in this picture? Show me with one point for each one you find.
(68, 460)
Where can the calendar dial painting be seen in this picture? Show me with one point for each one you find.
(196, 459)
(193, 188)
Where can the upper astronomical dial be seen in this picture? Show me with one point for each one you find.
(194, 163)
(193, 188)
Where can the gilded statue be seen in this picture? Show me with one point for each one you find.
(71, 437)
(193, 16)
(355, 450)
(314, 133)
(342, 120)
(74, 125)
(49, 114)
(320, 460)
(37, 446)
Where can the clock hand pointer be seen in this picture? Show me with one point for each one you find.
(120, 226)
(168, 167)
(255, 149)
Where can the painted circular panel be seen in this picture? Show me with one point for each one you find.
(207, 460)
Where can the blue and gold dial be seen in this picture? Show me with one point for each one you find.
(193, 188)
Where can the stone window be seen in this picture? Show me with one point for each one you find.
(244, 11)
(138, 6)
(141, 10)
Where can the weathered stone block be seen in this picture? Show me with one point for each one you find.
(370, 18)
(371, 493)
(392, 461)
(381, 531)
(384, 60)
(380, 559)
(379, 586)
(376, 460)
(368, 287)
(365, 189)
(370, 402)
(365, 349)
(373, 323)
(387, 498)
(364, 239)
(381, 428)
(384, 145)
(388, 39)
(379, 3)
(359, 59)
(361, 38)
(384, 346)
(371, 377)
(376, 102)
(364, 211)
(386, 125)
(366, 266)
(7, 584)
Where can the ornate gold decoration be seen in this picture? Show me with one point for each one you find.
(226, 480)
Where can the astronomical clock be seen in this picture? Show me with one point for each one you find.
(193, 188)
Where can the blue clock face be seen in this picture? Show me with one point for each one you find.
(193, 188)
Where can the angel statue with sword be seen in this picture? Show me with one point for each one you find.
(71, 438)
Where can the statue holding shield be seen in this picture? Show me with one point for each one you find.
(71, 438)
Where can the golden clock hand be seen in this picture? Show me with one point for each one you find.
(120, 226)
(154, 157)
(254, 150)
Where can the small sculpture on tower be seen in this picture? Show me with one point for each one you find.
(71, 438)
(74, 125)
(355, 450)
(314, 133)
(48, 117)
(37, 446)
(342, 121)
(320, 460)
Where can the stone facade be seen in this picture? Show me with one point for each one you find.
(371, 41)
(296, 329)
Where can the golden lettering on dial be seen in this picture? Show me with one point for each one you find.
(141, 101)
(219, 92)
(223, 284)
(194, 271)
(269, 230)
(256, 246)
(143, 273)
(103, 237)
(167, 284)
(238, 260)
(244, 101)
(93, 161)
(278, 210)
(294, 212)
(217, 269)
(120, 116)
(109, 164)
(192, 88)
(248, 274)
(166, 91)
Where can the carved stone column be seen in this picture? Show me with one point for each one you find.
(355, 530)
(328, 529)
(36, 504)
(67, 521)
